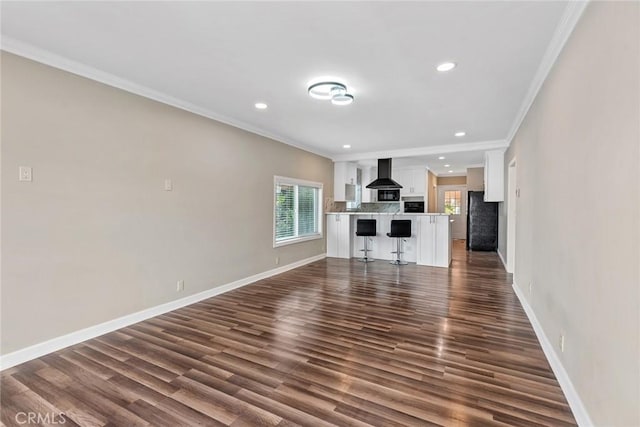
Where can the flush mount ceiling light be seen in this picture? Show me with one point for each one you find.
(325, 90)
(346, 146)
(344, 99)
(460, 134)
(446, 66)
(441, 158)
(334, 91)
(450, 171)
(261, 105)
(446, 166)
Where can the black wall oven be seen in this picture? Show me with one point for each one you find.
(413, 207)
(388, 195)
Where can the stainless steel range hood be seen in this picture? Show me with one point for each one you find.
(384, 181)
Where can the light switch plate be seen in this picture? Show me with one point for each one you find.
(168, 185)
(25, 173)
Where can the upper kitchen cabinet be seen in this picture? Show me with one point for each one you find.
(413, 181)
(494, 176)
(368, 175)
(344, 181)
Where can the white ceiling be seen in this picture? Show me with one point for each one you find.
(219, 58)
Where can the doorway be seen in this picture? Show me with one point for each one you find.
(452, 199)
(512, 195)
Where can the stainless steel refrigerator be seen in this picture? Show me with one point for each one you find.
(482, 223)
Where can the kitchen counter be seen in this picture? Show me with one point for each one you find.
(429, 244)
(386, 213)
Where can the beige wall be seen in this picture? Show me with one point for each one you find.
(432, 183)
(475, 179)
(577, 231)
(452, 180)
(94, 236)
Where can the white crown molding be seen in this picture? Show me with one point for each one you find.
(37, 54)
(424, 151)
(568, 21)
(32, 352)
(573, 398)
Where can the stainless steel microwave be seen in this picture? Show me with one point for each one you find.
(388, 195)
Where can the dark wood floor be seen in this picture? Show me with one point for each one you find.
(335, 342)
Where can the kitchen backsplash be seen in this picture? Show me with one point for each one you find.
(365, 207)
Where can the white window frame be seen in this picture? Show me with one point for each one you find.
(294, 181)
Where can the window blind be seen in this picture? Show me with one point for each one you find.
(297, 213)
(285, 211)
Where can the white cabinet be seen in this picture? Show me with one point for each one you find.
(434, 241)
(368, 195)
(494, 176)
(418, 181)
(344, 181)
(339, 235)
(402, 177)
(413, 181)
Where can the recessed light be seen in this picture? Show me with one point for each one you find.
(446, 66)
(450, 171)
(346, 146)
(446, 166)
(441, 158)
(459, 134)
(261, 106)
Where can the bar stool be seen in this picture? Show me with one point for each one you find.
(366, 228)
(400, 229)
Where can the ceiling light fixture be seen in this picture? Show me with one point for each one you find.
(334, 91)
(446, 66)
(261, 105)
(346, 146)
(446, 166)
(450, 171)
(441, 158)
(345, 99)
(460, 134)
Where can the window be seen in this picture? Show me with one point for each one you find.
(452, 202)
(297, 211)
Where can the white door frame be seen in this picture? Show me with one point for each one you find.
(463, 200)
(512, 196)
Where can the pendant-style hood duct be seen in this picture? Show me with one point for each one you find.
(384, 181)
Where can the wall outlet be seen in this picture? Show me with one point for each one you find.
(168, 185)
(25, 173)
(180, 286)
(562, 343)
(277, 260)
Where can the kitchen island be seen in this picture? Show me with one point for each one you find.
(429, 244)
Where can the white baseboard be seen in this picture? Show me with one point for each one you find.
(504, 264)
(575, 403)
(55, 344)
